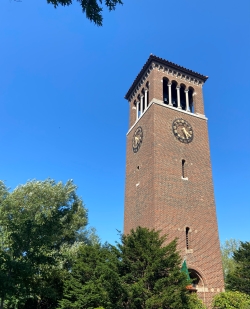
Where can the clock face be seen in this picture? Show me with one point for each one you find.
(137, 139)
(182, 130)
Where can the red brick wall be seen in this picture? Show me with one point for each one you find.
(157, 197)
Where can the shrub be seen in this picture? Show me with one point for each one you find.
(231, 300)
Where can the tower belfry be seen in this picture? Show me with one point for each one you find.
(169, 183)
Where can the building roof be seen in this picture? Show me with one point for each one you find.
(163, 62)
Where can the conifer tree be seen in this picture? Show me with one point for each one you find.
(93, 281)
(150, 272)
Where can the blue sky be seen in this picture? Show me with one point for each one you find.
(62, 84)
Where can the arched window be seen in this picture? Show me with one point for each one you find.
(139, 106)
(190, 97)
(196, 278)
(165, 91)
(174, 93)
(183, 97)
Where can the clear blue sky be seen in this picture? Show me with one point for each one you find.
(62, 84)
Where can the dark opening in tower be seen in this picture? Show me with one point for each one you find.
(165, 91)
(183, 168)
(174, 93)
(182, 97)
(187, 237)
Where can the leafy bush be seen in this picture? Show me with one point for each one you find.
(231, 300)
(194, 302)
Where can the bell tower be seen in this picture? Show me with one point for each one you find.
(169, 183)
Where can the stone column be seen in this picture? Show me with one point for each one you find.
(146, 99)
(137, 110)
(187, 101)
(142, 110)
(178, 97)
(170, 94)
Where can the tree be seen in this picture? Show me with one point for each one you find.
(93, 281)
(37, 221)
(239, 278)
(92, 8)
(231, 300)
(141, 272)
(227, 251)
(194, 302)
(150, 272)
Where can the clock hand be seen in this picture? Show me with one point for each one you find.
(136, 140)
(186, 133)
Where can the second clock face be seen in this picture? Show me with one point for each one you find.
(137, 139)
(183, 130)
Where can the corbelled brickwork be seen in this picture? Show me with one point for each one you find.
(157, 195)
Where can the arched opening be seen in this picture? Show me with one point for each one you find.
(183, 97)
(174, 93)
(139, 110)
(165, 90)
(190, 98)
(196, 278)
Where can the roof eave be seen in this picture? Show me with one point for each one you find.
(164, 62)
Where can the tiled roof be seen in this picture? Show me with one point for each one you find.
(163, 62)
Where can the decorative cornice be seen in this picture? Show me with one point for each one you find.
(170, 68)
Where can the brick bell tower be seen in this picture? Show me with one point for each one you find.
(169, 183)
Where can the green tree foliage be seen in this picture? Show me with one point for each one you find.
(93, 281)
(92, 8)
(150, 272)
(239, 278)
(141, 272)
(38, 221)
(231, 300)
(194, 302)
(227, 251)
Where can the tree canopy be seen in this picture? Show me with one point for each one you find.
(150, 271)
(227, 251)
(239, 278)
(48, 259)
(38, 221)
(93, 281)
(231, 300)
(92, 8)
(140, 273)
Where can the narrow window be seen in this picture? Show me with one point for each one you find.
(187, 237)
(190, 97)
(174, 93)
(182, 97)
(183, 168)
(165, 91)
(139, 107)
